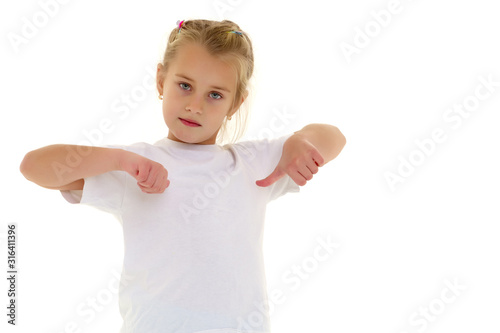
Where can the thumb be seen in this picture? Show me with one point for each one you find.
(272, 178)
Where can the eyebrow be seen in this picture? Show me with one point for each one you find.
(214, 87)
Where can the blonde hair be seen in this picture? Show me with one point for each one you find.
(220, 40)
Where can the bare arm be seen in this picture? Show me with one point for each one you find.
(59, 166)
(64, 167)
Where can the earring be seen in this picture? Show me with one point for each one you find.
(229, 118)
(160, 97)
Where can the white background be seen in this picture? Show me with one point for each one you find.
(397, 247)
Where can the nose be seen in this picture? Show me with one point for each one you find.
(195, 104)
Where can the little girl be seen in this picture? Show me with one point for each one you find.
(192, 210)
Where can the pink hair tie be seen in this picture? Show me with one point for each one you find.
(180, 23)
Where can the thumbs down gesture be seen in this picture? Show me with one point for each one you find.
(300, 160)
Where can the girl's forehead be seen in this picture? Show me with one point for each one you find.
(195, 62)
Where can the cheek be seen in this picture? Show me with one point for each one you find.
(218, 112)
(169, 110)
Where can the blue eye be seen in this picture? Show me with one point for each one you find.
(215, 95)
(184, 86)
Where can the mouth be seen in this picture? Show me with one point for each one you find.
(189, 122)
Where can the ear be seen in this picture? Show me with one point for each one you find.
(160, 78)
(237, 106)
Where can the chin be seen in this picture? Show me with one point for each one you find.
(185, 138)
(190, 140)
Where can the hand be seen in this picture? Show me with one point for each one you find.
(151, 176)
(300, 160)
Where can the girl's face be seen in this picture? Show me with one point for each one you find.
(198, 91)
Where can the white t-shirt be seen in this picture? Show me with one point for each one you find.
(193, 254)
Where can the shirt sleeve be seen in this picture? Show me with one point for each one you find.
(104, 191)
(264, 156)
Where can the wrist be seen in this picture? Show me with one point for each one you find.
(297, 136)
(119, 156)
